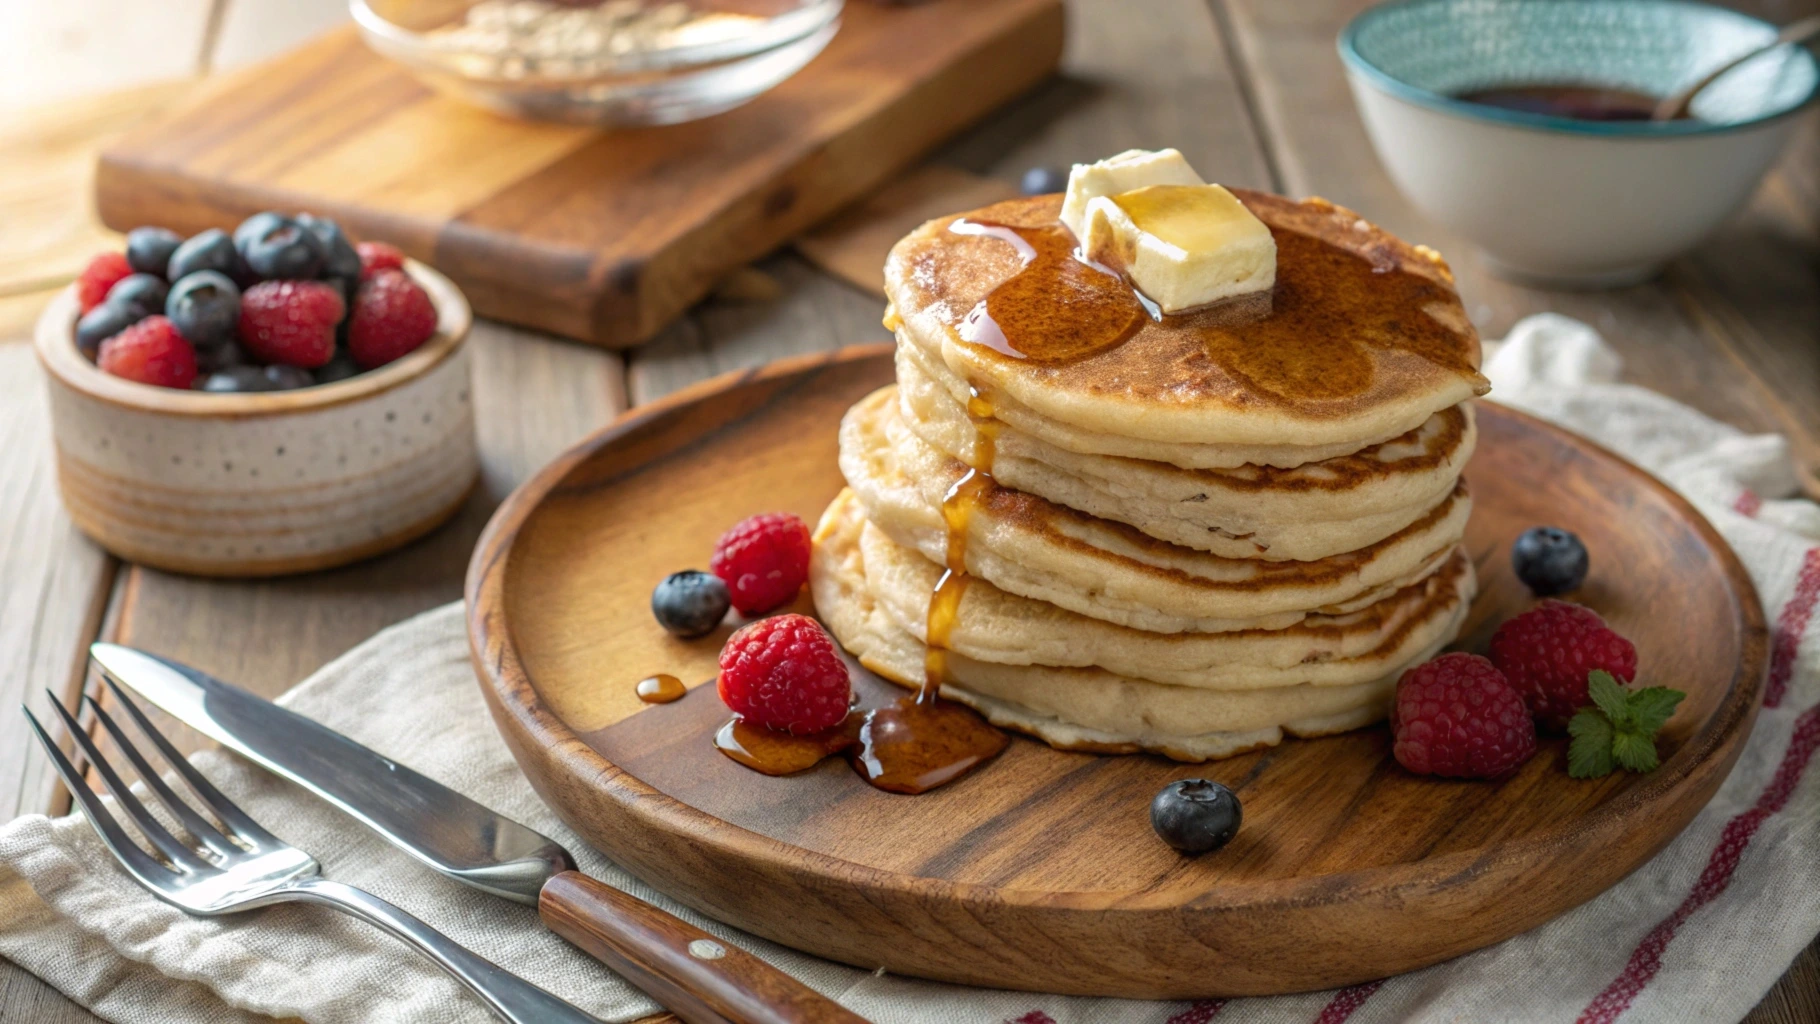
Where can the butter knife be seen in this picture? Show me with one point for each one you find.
(694, 975)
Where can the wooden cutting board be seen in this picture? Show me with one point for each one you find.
(1040, 871)
(600, 236)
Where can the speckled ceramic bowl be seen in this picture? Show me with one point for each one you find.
(264, 484)
(1557, 201)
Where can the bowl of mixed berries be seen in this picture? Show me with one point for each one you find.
(266, 400)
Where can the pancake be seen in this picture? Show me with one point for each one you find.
(1365, 337)
(992, 625)
(1309, 512)
(1089, 708)
(1035, 548)
(1016, 415)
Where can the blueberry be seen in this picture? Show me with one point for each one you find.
(690, 603)
(286, 250)
(284, 378)
(225, 356)
(1549, 560)
(1040, 181)
(339, 260)
(148, 250)
(210, 250)
(339, 368)
(1196, 815)
(103, 322)
(236, 379)
(258, 224)
(144, 292)
(205, 307)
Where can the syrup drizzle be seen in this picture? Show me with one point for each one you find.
(772, 752)
(661, 688)
(920, 741)
(958, 505)
(1336, 314)
(1060, 306)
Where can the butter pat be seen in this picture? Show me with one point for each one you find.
(1132, 169)
(1182, 245)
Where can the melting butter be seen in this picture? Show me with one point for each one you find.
(1182, 246)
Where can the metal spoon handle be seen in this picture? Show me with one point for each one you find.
(1676, 104)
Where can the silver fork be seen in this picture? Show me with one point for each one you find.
(241, 866)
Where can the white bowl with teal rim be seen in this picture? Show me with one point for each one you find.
(1557, 201)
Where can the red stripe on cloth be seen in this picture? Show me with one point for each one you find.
(1646, 960)
(1347, 1001)
(1790, 626)
(1033, 1017)
(1199, 1013)
(1748, 504)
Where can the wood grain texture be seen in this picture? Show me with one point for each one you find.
(47, 158)
(853, 245)
(1348, 868)
(55, 583)
(25, 999)
(599, 236)
(702, 979)
(815, 313)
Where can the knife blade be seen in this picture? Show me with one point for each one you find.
(690, 972)
(447, 831)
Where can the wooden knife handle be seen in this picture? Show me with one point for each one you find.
(694, 975)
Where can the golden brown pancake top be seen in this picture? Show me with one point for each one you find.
(1358, 318)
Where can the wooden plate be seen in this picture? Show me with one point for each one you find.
(1040, 870)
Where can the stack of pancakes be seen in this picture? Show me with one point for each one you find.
(1227, 526)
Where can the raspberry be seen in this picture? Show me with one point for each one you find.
(764, 561)
(392, 316)
(783, 673)
(150, 352)
(1458, 717)
(102, 273)
(1547, 652)
(291, 322)
(377, 256)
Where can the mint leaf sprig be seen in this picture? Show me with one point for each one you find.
(1619, 730)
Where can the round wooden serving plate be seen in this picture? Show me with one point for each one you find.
(1040, 871)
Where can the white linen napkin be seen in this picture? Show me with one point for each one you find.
(1699, 933)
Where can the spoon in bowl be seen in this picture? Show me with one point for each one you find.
(1675, 105)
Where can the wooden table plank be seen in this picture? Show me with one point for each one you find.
(25, 999)
(812, 313)
(47, 161)
(1128, 80)
(55, 583)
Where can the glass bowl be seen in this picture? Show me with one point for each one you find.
(606, 62)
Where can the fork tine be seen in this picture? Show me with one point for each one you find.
(136, 861)
(149, 827)
(224, 809)
(186, 816)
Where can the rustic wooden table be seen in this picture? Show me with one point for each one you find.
(1250, 90)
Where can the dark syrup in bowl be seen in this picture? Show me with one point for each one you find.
(1577, 102)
